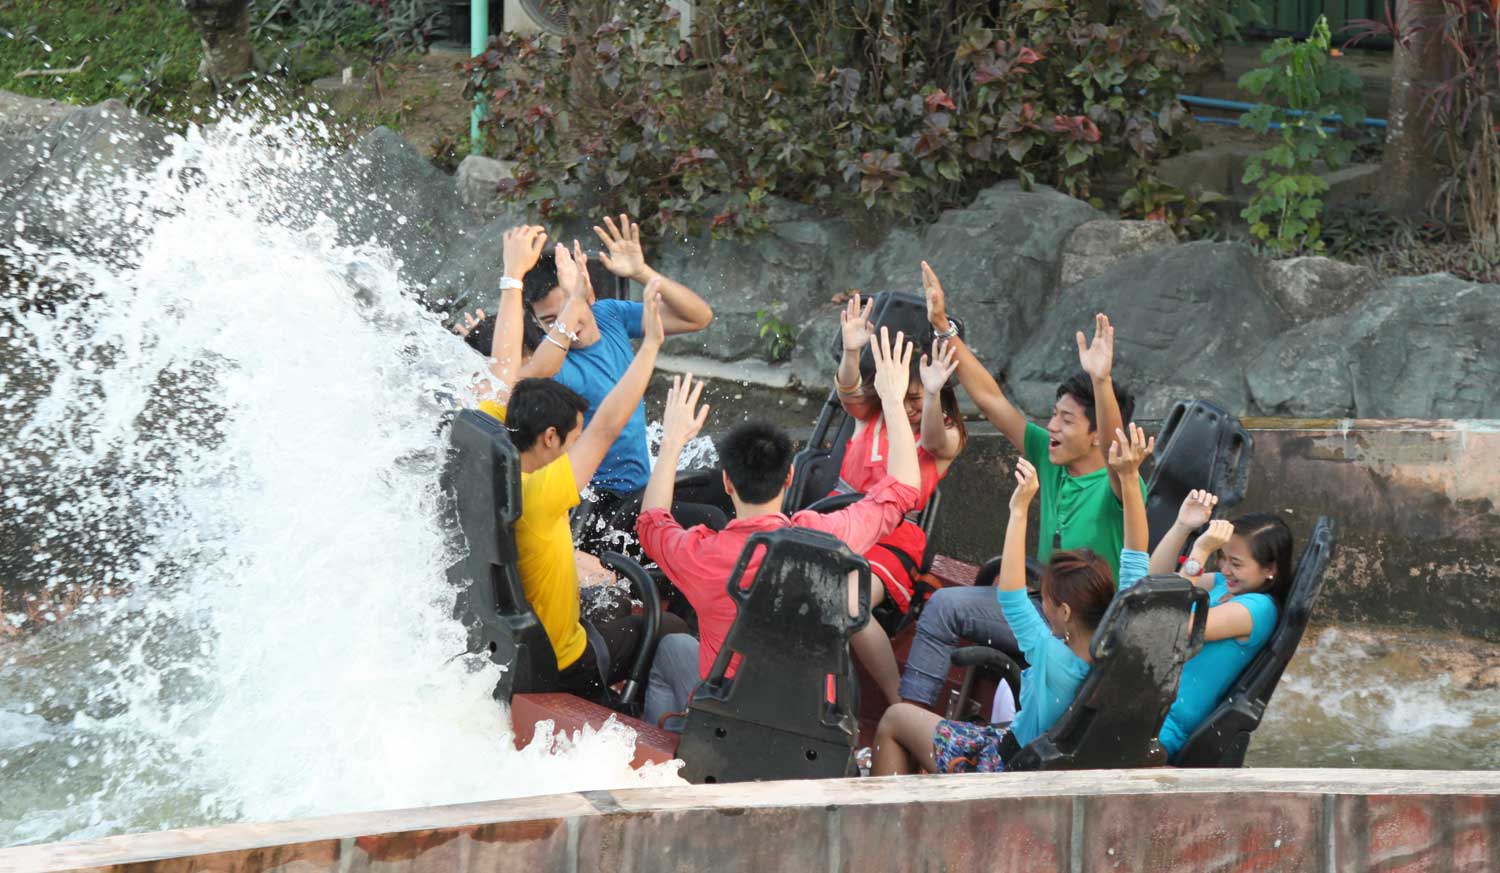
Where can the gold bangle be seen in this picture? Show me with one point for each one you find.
(859, 382)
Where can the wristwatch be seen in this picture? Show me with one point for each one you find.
(506, 283)
(1191, 567)
(950, 333)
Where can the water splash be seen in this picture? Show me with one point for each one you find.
(221, 451)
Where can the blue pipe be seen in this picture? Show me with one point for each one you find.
(1215, 103)
(1211, 119)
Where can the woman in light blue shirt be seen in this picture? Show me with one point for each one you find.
(1076, 590)
(1245, 597)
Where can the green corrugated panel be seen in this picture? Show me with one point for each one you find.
(1297, 17)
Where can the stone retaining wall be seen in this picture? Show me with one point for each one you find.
(1348, 821)
(1419, 530)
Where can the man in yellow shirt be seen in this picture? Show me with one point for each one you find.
(558, 457)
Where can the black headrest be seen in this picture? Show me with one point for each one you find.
(899, 311)
(1199, 446)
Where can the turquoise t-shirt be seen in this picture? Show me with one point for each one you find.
(1078, 512)
(1207, 676)
(593, 371)
(1054, 674)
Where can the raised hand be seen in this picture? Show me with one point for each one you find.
(892, 367)
(521, 247)
(1098, 357)
(681, 419)
(471, 321)
(937, 307)
(622, 247)
(854, 322)
(568, 271)
(1197, 510)
(936, 369)
(655, 334)
(583, 264)
(1027, 484)
(1126, 454)
(1218, 533)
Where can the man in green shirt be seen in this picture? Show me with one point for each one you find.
(1080, 496)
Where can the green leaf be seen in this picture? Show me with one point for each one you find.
(950, 170)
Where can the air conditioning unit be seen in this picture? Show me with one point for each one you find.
(551, 16)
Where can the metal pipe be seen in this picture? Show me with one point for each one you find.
(1215, 103)
(479, 39)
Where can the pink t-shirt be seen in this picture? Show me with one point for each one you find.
(699, 560)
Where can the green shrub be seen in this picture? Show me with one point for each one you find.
(897, 109)
(1287, 208)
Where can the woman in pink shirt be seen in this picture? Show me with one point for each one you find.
(930, 411)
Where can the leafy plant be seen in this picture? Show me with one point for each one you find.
(1154, 200)
(1286, 210)
(1358, 227)
(1462, 106)
(778, 338)
(899, 110)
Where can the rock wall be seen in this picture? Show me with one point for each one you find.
(1151, 821)
(1300, 337)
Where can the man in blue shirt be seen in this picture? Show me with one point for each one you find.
(585, 345)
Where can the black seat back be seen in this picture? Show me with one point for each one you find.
(816, 467)
(1138, 653)
(789, 711)
(1223, 739)
(483, 480)
(1199, 446)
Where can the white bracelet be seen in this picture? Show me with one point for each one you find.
(551, 339)
(507, 283)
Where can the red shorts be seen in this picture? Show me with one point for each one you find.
(895, 574)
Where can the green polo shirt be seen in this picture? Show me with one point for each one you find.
(1078, 512)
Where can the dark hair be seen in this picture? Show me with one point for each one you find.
(1080, 387)
(540, 280)
(537, 404)
(1081, 579)
(1270, 543)
(756, 456)
(482, 337)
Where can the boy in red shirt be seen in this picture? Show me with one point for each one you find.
(757, 459)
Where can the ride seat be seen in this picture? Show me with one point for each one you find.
(1223, 739)
(1146, 635)
(482, 480)
(789, 710)
(1199, 446)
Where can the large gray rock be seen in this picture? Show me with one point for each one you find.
(997, 259)
(1095, 246)
(21, 117)
(1187, 321)
(63, 186)
(1417, 347)
(1312, 288)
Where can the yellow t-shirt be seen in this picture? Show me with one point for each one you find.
(544, 545)
(492, 409)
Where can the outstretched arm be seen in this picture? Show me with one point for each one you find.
(683, 311)
(521, 247)
(1197, 510)
(1126, 454)
(937, 438)
(1097, 359)
(972, 375)
(1013, 558)
(892, 374)
(610, 418)
(680, 422)
(855, 327)
(557, 338)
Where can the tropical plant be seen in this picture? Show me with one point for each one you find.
(778, 338)
(1301, 90)
(1185, 212)
(896, 109)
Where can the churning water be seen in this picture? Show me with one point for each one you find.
(220, 452)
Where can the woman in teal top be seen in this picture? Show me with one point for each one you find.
(1077, 588)
(1245, 597)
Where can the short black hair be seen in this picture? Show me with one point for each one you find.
(756, 455)
(540, 280)
(1080, 387)
(537, 404)
(481, 338)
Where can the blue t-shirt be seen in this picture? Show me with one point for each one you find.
(1054, 674)
(593, 371)
(1207, 676)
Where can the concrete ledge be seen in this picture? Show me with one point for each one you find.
(1144, 820)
